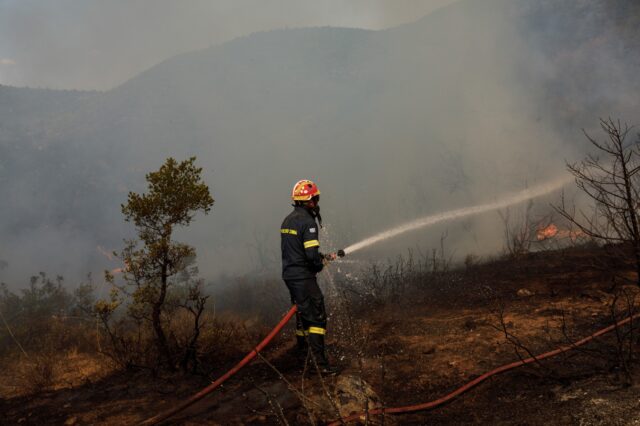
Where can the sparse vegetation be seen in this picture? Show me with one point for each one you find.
(45, 314)
(610, 178)
(522, 228)
(43, 328)
(430, 317)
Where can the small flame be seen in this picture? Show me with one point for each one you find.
(552, 231)
(547, 232)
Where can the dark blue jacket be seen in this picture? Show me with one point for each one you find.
(301, 258)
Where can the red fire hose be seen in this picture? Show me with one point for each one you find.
(480, 379)
(198, 396)
(393, 410)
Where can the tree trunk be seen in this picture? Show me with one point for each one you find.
(191, 353)
(161, 339)
(631, 208)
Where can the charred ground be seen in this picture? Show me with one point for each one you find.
(432, 333)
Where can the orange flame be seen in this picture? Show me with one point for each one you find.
(547, 232)
(552, 231)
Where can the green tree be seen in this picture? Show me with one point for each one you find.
(175, 194)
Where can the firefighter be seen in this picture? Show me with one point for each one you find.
(301, 261)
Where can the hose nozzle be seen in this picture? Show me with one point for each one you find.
(340, 253)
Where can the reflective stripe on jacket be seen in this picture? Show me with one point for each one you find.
(301, 258)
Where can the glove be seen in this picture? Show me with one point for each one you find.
(326, 258)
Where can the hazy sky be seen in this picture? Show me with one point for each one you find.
(98, 44)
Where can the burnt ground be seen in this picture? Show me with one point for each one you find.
(439, 333)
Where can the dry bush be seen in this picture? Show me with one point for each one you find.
(131, 344)
(221, 337)
(622, 355)
(45, 315)
(40, 326)
(610, 180)
(392, 281)
(521, 230)
(65, 355)
(127, 344)
(198, 321)
(37, 373)
(615, 353)
(47, 370)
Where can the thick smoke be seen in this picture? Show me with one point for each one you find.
(467, 104)
(97, 45)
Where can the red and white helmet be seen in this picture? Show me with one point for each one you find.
(304, 190)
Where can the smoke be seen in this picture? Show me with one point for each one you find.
(93, 44)
(471, 102)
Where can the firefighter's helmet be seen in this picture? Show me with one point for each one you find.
(304, 190)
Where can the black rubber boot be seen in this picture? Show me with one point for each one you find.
(316, 343)
(301, 344)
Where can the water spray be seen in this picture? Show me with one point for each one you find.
(506, 201)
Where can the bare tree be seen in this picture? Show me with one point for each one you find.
(521, 229)
(609, 177)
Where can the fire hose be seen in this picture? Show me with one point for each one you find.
(440, 401)
(384, 410)
(207, 390)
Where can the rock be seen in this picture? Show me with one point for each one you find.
(523, 292)
(349, 394)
